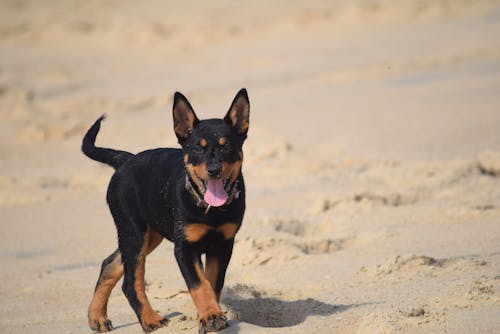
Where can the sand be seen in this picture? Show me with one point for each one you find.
(372, 163)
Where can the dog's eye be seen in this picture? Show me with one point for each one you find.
(198, 149)
(222, 144)
(226, 149)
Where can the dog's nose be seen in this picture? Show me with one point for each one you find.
(214, 171)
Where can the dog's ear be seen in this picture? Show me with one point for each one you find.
(184, 117)
(239, 113)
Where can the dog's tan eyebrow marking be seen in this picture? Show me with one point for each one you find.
(222, 141)
(203, 142)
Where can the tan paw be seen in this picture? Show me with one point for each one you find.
(212, 323)
(100, 324)
(153, 323)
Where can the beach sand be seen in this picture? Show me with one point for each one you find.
(372, 163)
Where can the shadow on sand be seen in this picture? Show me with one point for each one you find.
(252, 307)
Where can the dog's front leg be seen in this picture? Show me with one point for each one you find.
(210, 315)
(216, 265)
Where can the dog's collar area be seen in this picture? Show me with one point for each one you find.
(233, 194)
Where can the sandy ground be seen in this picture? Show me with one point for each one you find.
(372, 164)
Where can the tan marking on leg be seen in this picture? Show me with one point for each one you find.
(150, 320)
(154, 240)
(204, 297)
(228, 230)
(194, 232)
(222, 141)
(110, 275)
(212, 272)
(203, 142)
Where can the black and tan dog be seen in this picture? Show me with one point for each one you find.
(194, 197)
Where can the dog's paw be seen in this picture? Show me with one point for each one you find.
(101, 324)
(151, 325)
(212, 323)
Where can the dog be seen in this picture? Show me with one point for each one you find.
(193, 196)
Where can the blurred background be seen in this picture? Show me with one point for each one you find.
(374, 135)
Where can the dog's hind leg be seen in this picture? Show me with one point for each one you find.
(111, 272)
(134, 260)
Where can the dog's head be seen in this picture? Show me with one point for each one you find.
(212, 148)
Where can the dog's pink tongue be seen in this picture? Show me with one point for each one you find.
(215, 194)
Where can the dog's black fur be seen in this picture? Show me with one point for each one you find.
(158, 194)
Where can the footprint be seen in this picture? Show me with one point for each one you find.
(422, 264)
(393, 199)
(488, 163)
(482, 289)
(364, 200)
(291, 226)
(325, 246)
(262, 251)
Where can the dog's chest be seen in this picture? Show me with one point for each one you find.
(204, 234)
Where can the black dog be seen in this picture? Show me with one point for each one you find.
(194, 197)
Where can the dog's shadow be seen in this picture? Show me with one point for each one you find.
(249, 305)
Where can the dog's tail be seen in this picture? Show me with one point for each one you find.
(114, 158)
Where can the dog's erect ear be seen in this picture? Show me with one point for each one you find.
(184, 117)
(239, 113)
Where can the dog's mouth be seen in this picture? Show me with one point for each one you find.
(215, 191)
